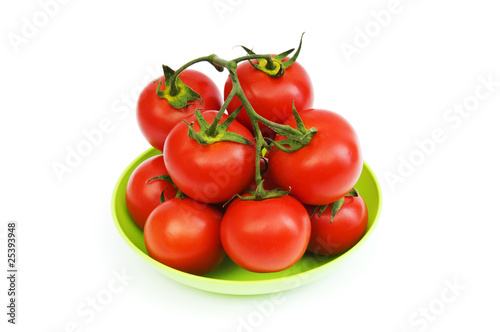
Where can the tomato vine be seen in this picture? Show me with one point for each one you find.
(179, 96)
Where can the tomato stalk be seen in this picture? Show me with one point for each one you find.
(212, 131)
(259, 193)
(215, 132)
(173, 86)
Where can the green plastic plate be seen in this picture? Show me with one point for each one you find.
(229, 278)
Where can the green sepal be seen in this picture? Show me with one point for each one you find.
(295, 138)
(290, 61)
(260, 194)
(277, 67)
(353, 193)
(319, 208)
(335, 206)
(273, 68)
(215, 132)
(178, 94)
(167, 178)
(283, 55)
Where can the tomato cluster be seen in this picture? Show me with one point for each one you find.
(259, 175)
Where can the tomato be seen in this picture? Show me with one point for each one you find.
(271, 97)
(327, 168)
(265, 236)
(141, 196)
(185, 235)
(210, 173)
(155, 115)
(346, 229)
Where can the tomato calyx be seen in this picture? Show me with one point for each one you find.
(215, 132)
(167, 178)
(335, 206)
(178, 94)
(260, 194)
(274, 66)
(294, 138)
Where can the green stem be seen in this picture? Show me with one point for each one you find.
(258, 149)
(238, 91)
(173, 88)
(245, 102)
(252, 113)
(221, 63)
(218, 117)
(268, 57)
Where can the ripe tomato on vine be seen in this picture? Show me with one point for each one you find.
(250, 171)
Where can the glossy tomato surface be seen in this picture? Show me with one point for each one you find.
(271, 97)
(346, 229)
(185, 235)
(211, 173)
(327, 168)
(142, 197)
(265, 236)
(156, 117)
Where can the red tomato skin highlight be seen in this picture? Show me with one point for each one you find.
(327, 168)
(265, 236)
(156, 117)
(185, 235)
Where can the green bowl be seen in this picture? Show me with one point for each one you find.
(229, 278)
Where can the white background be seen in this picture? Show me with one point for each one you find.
(431, 264)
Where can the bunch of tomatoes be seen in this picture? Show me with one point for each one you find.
(257, 174)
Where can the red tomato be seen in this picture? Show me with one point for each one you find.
(209, 173)
(141, 196)
(155, 115)
(265, 236)
(326, 169)
(346, 229)
(185, 235)
(271, 97)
